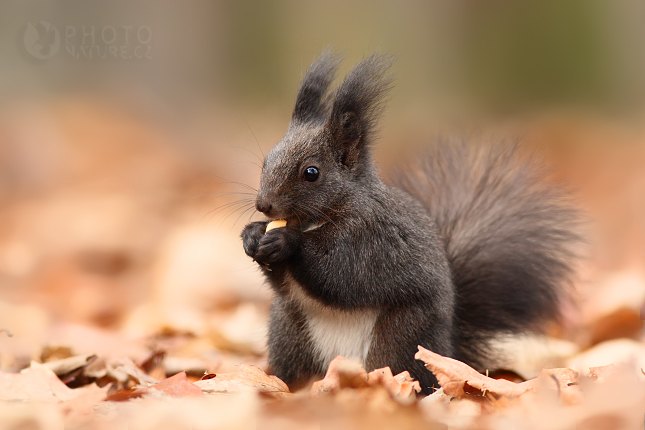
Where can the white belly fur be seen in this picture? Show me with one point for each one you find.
(335, 332)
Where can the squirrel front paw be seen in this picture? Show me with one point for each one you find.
(277, 245)
(251, 236)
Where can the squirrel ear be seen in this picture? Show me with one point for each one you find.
(357, 106)
(311, 103)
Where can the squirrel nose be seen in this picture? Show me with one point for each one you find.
(263, 206)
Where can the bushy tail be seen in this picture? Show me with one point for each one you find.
(511, 239)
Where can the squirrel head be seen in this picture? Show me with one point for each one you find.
(324, 158)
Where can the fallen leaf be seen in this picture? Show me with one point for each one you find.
(196, 367)
(621, 323)
(125, 394)
(612, 351)
(53, 353)
(37, 383)
(341, 373)
(126, 366)
(601, 373)
(80, 409)
(208, 376)
(458, 379)
(154, 364)
(247, 378)
(122, 373)
(177, 386)
(463, 413)
(401, 387)
(68, 368)
(565, 381)
(347, 380)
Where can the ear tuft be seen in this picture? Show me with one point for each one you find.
(358, 104)
(311, 102)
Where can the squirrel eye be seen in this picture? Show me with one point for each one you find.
(311, 174)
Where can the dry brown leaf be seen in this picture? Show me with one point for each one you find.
(438, 397)
(38, 383)
(460, 380)
(377, 389)
(612, 351)
(564, 381)
(81, 408)
(67, 368)
(408, 386)
(401, 387)
(463, 413)
(178, 386)
(121, 373)
(154, 364)
(175, 386)
(601, 373)
(621, 323)
(341, 373)
(126, 366)
(126, 394)
(618, 401)
(192, 366)
(248, 378)
(381, 376)
(53, 353)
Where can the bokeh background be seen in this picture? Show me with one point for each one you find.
(126, 128)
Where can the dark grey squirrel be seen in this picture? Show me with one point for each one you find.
(467, 243)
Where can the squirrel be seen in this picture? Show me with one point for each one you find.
(465, 244)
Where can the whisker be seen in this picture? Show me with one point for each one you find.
(222, 193)
(238, 218)
(232, 211)
(227, 205)
(241, 184)
(205, 170)
(295, 211)
(310, 216)
(300, 207)
(229, 211)
(321, 213)
(248, 150)
(329, 208)
(250, 162)
(251, 216)
(256, 139)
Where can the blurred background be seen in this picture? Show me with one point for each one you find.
(127, 127)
